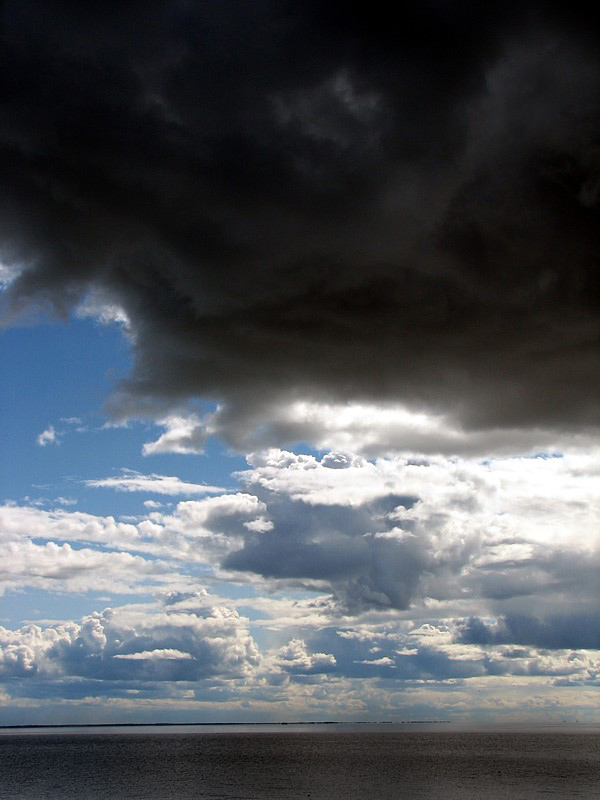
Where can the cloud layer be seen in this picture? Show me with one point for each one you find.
(510, 536)
(353, 589)
(113, 646)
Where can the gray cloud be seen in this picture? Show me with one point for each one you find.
(505, 535)
(560, 631)
(437, 651)
(291, 202)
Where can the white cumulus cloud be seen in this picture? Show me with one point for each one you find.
(183, 434)
(48, 436)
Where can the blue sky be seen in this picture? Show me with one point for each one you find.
(299, 356)
(58, 375)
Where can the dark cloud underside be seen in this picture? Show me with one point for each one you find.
(316, 200)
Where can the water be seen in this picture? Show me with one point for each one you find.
(316, 762)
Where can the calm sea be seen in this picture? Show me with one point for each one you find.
(317, 762)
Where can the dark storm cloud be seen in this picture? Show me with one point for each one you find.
(315, 200)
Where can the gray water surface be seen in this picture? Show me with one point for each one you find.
(317, 763)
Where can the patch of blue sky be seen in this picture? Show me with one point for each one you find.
(201, 571)
(42, 607)
(56, 378)
(233, 589)
(53, 375)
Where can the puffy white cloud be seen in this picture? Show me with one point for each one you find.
(129, 643)
(183, 434)
(145, 655)
(294, 658)
(259, 525)
(48, 436)
(338, 460)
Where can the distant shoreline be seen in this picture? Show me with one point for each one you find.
(223, 724)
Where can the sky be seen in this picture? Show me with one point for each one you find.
(300, 344)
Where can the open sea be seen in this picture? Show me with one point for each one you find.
(320, 761)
